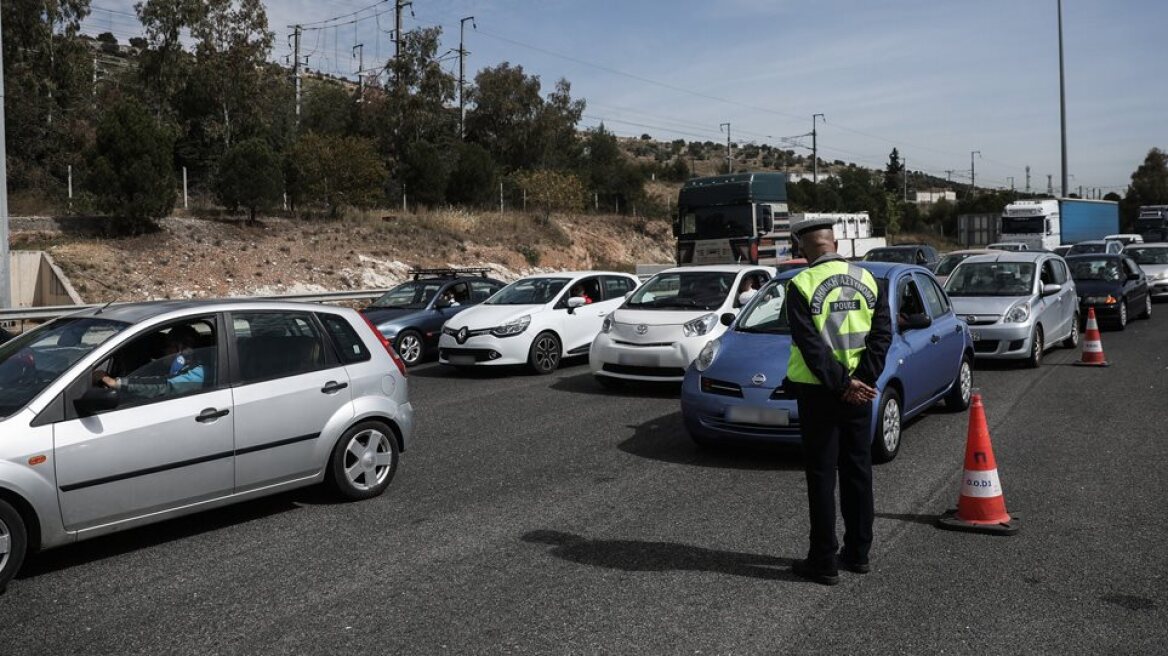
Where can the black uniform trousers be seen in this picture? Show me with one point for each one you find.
(836, 435)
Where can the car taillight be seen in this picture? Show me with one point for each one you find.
(401, 365)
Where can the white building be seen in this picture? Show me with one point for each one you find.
(934, 195)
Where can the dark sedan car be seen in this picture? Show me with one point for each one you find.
(919, 254)
(1113, 284)
(411, 315)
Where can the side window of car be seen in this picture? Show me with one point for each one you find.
(617, 287)
(481, 290)
(909, 298)
(348, 344)
(461, 292)
(590, 286)
(1132, 268)
(1060, 271)
(178, 359)
(277, 344)
(934, 297)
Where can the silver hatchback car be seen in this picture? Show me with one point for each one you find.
(127, 415)
(1017, 304)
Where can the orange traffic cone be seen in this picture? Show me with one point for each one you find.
(981, 507)
(1092, 343)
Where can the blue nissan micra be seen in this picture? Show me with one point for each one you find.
(733, 392)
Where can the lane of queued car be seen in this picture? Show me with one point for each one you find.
(412, 314)
(919, 254)
(731, 395)
(1153, 260)
(1113, 285)
(252, 398)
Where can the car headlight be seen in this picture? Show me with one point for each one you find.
(607, 325)
(700, 326)
(1163, 275)
(709, 352)
(447, 330)
(1018, 313)
(513, 327)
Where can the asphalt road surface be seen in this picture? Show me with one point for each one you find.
(541, 515)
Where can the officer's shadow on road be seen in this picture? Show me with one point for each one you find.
(665, 439)
(586, 383)
(640, 556)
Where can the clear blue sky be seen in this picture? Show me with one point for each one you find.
(936, 79)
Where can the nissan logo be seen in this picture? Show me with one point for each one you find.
(758, 379)
(970, 318)
(463, 333)
(642, 329)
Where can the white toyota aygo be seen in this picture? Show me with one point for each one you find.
(659, 330)
(538, 321)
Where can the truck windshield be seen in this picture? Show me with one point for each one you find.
(30, 362)
(686, 290)
(991, 279)
(1023, 225)
(717, 222)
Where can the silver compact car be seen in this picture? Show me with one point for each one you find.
(116, 417)
(1016, 304)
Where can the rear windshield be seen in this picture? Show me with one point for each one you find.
(898, 255)
(950, 262)
(991, 279)
(1147, 255)
(1106, 269)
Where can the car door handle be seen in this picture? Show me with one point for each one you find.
(935, 338)
(333, 386)
(211, 414)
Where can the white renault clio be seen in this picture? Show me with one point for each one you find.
(661, 328)
(538, 320)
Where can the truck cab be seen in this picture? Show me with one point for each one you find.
(1152, 223)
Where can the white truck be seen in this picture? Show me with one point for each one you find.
(1042, 224)
(853, 232)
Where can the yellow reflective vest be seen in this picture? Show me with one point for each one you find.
(842, 298)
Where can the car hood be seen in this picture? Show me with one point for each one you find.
(382, 316)
(744, 355)
(1151, 270)
(1098, 287)
(996, 305)
(489, 316)
(658, 317)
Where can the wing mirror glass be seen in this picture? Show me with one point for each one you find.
(918, 321)
(727, 318)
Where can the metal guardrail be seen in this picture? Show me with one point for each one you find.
(54, 311)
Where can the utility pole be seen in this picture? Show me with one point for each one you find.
(1027, 179)
(1062, 96)
(1011, 179)
(949, 175)
(729, 160)
(462, 53)
(359, 53)
(397, 26)
(972, 177)
(815, 148)
(1049, 185)
(296, 68)
(5, 263)
(904, 164)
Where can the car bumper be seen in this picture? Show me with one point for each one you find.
(1002, 341)
(658, 362)
(705, 415)
(1159, 289)
(484, 350)
(1102, 311)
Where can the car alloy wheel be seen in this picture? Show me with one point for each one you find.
(545, 353)
(958, 398)
(409, 347)
(888, 426)
(13, 543)
(1147, 307)
(1037, 346)
(1072, 340)
(368, 459)
(1122, 313)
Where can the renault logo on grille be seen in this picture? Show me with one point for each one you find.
(642, 329)
(758, 379)
(463, 333)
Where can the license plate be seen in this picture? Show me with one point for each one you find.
(740, 414)
(638, 360)
(460, 359)
(975, 334)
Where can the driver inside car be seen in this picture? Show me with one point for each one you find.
(184, 371)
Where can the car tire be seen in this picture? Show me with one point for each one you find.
(610, 383)
(1037, 348)
(957, 400)
(13, 543)
(1072, 340)
(886, 441)
(1147, 313)
(545, 353)
(364, 460)
(410, 347)
(1121, 322)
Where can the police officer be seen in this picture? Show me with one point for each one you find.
(841, 330)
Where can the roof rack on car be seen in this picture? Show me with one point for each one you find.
(450, 273)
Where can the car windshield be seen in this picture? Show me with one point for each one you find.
(991, 279)
(950, 262)
(1101, 268)
(765, 312)
(30, 362)
(898, 255)
(532, 291)
(689, 290)
(1088, 248)
(413, 295)
(1147, 255)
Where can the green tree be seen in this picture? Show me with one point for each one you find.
(425, 171)
(1149, 186)
(506, 104)
(894, 173)
(552, 191)
(608, 172)
(130, 168)
(474, 176)
(327, 109)
(334, 172)
(165, 64)
(250, 176)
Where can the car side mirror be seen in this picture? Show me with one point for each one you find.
(727, 318)
(918, 321)
(1051, 290)
(95, 400)
(1133, 276)
(574, 302)
(629, 295)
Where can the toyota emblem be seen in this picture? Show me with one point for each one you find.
(463, 333)
(642, 329)
(758, 379)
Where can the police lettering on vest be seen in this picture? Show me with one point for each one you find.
(842, 299)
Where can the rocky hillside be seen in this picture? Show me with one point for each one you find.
(196, 257)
